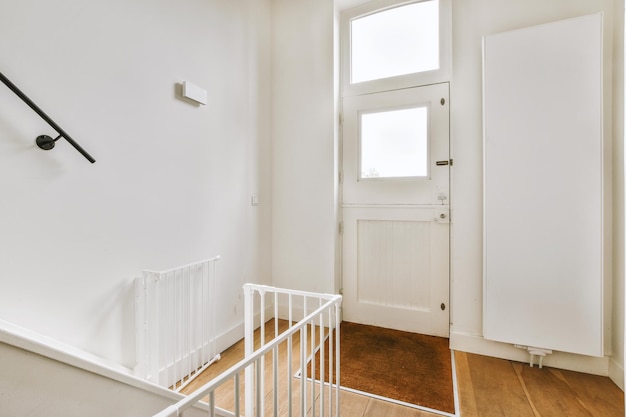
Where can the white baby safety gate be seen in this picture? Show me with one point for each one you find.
(175, 323)
(271, 388)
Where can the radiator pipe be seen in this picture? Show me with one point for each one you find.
(45, 142)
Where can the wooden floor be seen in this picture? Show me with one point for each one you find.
(487, 387)
(496, 387)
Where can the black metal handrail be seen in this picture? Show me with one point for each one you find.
(45, 141)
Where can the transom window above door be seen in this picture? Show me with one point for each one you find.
(398, 41)
(389, 44)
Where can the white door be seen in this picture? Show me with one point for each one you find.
(396, 209)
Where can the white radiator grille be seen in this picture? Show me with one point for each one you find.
(175, 322)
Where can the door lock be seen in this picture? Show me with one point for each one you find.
(442, 217)
(444, 163)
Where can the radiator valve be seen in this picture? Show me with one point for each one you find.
(535, 351)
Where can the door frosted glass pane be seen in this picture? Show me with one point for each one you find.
(394, 143)
(398, 41)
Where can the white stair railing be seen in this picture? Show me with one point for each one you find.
(312, 319)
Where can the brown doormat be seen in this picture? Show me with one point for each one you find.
(406, 367)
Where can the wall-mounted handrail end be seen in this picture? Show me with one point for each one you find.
(46, 142)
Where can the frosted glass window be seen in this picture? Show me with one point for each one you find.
(394, 143)
(398, 41)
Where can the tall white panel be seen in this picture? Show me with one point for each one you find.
(543, 199)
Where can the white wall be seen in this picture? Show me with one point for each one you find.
(67, 391)
(75, 383)
(304, 173)
(173, 180)
(616, 363)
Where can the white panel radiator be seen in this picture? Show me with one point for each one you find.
(175, 323)
(544, 187)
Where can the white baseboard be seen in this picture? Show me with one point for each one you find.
(616, 373)
(479, 345)
(229, 338)
(236, 333)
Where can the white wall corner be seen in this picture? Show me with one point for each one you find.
(616, 373)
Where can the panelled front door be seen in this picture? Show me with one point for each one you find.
(396, 209)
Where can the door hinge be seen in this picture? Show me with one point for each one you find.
(340, 119)
(340, 229)
(340, 177)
